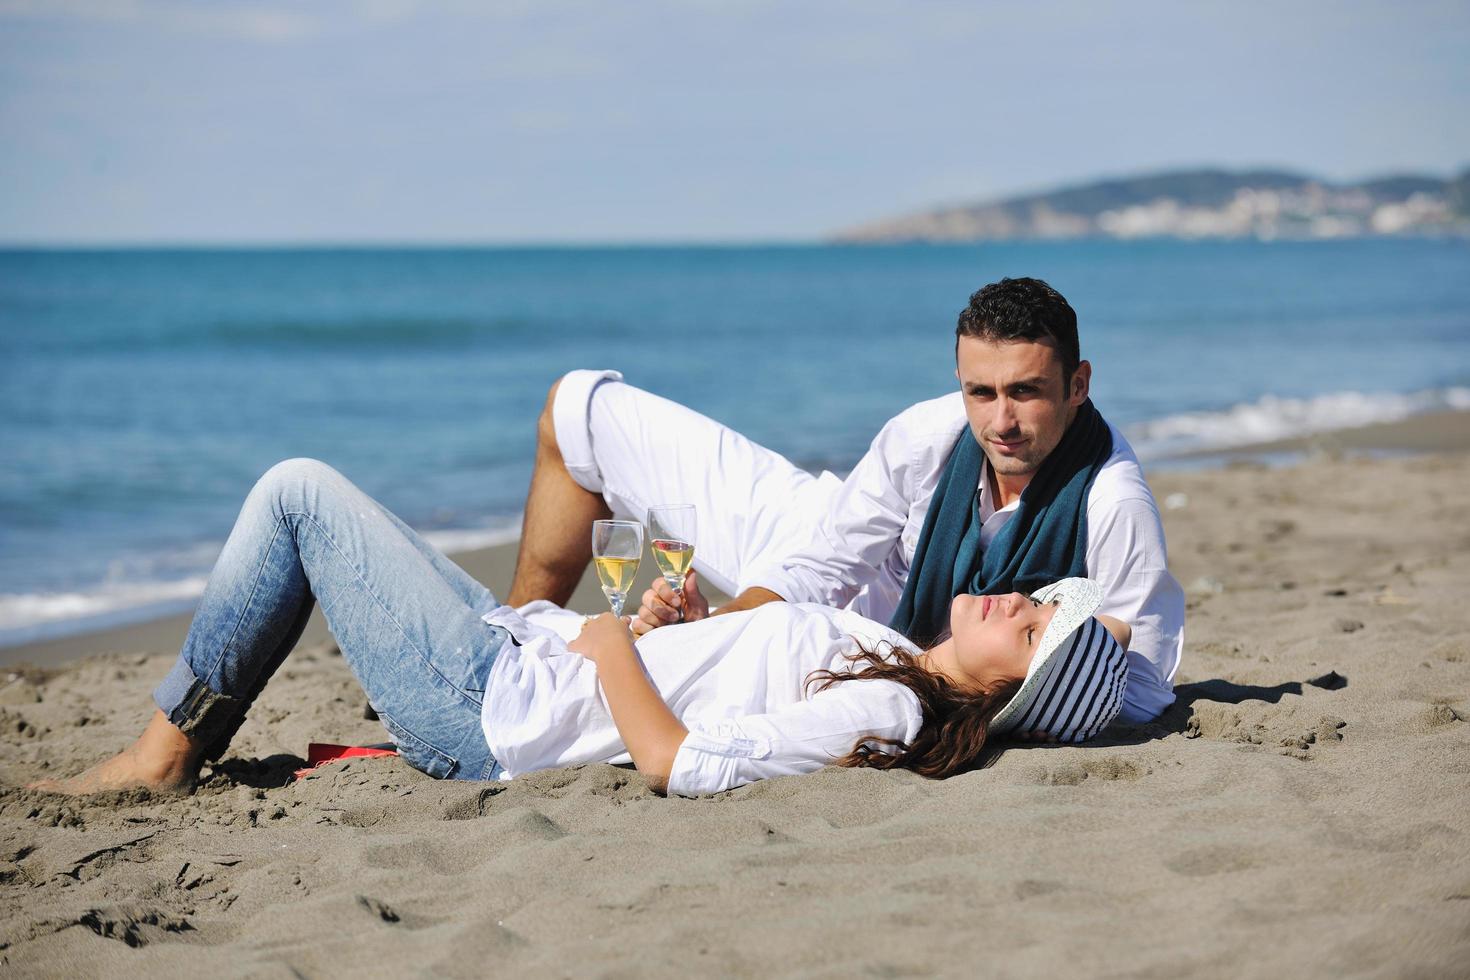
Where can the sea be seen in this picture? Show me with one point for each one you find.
(142, 391)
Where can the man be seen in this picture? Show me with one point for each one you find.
(1010, 483)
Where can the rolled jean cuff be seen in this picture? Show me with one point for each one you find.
(194, 709)
(571, 417)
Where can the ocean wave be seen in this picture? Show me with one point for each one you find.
(361, 333)
(367, 334)
(472, 539)
(27, 617)
(124, 597)
(1273, 417)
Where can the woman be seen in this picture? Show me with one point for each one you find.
(470, 689)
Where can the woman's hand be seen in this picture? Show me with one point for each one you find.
(661, 606)
(602, 635)
(648, 728)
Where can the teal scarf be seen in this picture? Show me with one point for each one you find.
(1045, 540)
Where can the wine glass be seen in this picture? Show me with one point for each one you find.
(617, 547)
(671, 534)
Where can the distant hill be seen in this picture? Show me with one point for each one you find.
(1198, 204)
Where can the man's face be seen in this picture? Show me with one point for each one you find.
(1017, 401)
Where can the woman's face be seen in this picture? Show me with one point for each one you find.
(995, 636)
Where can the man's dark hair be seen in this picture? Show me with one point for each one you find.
(1022, 309)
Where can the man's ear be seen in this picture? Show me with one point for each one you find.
(1081, 383)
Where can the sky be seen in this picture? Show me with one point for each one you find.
(159, 121)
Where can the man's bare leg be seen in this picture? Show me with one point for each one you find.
(163, 758)
(556, 534)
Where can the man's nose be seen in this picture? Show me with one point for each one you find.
(1005, 416)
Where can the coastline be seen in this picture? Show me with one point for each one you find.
(494, 566)
(1435, 432)
(1430, 432)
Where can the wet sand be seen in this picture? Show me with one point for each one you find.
(1301, 810)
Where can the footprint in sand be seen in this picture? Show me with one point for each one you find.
(1107, 768)
(415, 855)
(597, 779)
(1432, 717)
(1199, 862)
(472, 807)
(1296, 729)
(522, 825)
(381, 911)
(132, 924)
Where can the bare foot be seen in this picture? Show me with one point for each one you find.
(126, 770)
(162, 759)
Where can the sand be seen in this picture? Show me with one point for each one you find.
(1303, 810)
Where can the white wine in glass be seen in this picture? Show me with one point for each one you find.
(671, 534)
(617, 547)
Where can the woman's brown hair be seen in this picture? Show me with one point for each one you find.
(952, 735)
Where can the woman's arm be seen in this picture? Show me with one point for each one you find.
(649, 729)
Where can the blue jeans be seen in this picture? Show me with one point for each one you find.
(406, 618)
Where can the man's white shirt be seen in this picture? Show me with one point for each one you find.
(849, 543)
(862, 546)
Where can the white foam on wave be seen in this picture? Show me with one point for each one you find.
(28, 616)
(472, 539)
(129, 593)
(32, 616)
(1273, 417)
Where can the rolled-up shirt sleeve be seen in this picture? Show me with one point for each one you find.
(1126, 555)
(722, 753)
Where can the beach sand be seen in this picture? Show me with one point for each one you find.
(1303, 810)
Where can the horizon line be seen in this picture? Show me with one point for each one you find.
(284, 244)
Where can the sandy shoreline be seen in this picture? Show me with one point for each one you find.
(1300, 811)
(495, 566)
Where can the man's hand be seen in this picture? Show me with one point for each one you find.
(661, 606)
(600, 635)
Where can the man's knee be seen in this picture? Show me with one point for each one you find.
(566, 423)
(546, 424)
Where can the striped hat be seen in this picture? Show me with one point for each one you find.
(1074, 686)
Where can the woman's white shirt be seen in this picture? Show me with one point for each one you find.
(737, 683)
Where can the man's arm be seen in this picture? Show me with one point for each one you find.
(1126, 555)
(854, 537)
(865, 522)
(661, 607)
(1121, 631)
(749, 599)
(648, 728)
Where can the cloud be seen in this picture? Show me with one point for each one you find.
(244, 21)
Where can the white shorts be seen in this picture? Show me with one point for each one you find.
(639, 450)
